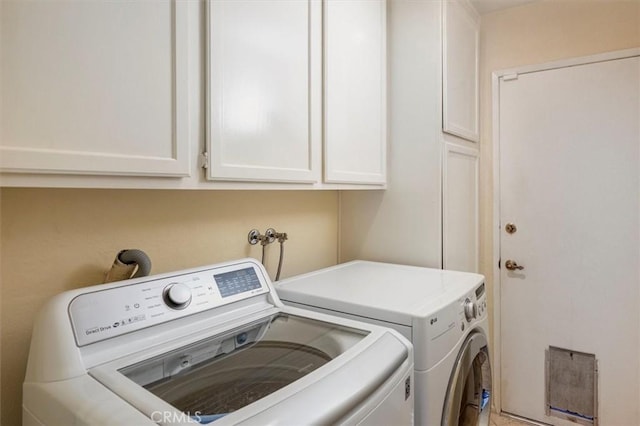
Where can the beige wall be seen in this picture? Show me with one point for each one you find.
(58, 239)
(535, 33)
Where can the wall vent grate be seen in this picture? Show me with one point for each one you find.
(572, 385)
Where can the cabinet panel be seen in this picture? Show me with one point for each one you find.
(264, 96)
(94, 87)
(355, 91)
(460, 70)
(460, 208)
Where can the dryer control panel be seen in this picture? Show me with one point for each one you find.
(475, 305)
(449, 326)
(110, 311)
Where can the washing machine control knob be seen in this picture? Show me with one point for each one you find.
(470, 310)
(177, 296)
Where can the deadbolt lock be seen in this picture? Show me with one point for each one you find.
(510, 228)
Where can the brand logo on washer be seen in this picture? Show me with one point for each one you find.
(433, 320)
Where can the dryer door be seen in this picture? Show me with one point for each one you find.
(468, 398)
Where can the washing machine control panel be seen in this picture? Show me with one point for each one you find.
(110, 310)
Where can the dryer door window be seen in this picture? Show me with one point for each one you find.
(468, 399)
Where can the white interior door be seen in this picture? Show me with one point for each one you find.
(569, 181)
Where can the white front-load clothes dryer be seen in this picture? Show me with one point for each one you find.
(444, 314)
(209, 344)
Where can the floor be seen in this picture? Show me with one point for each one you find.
(498, 420)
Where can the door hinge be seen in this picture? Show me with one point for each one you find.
(509, 77)
(203, 159)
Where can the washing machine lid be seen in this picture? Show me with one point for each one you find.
(382, 291)
(274, 366)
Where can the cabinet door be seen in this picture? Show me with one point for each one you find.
(264, 92)
(460, 70)
(94, 87)
(355, 91)
(460, 208)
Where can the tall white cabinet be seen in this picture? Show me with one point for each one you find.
(428, 215)
(460, 208)
(94, 88)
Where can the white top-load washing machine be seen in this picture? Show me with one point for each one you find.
(444, 314)
(209, 344)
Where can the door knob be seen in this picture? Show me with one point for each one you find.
(512, 266)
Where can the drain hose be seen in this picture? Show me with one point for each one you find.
(138, 257)
(125, 264)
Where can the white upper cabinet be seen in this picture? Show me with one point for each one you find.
(461, 27)
(355, 89)
(277, 94)
(264, 96)
(94, 88)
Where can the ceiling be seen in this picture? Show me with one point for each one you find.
(487, 6)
